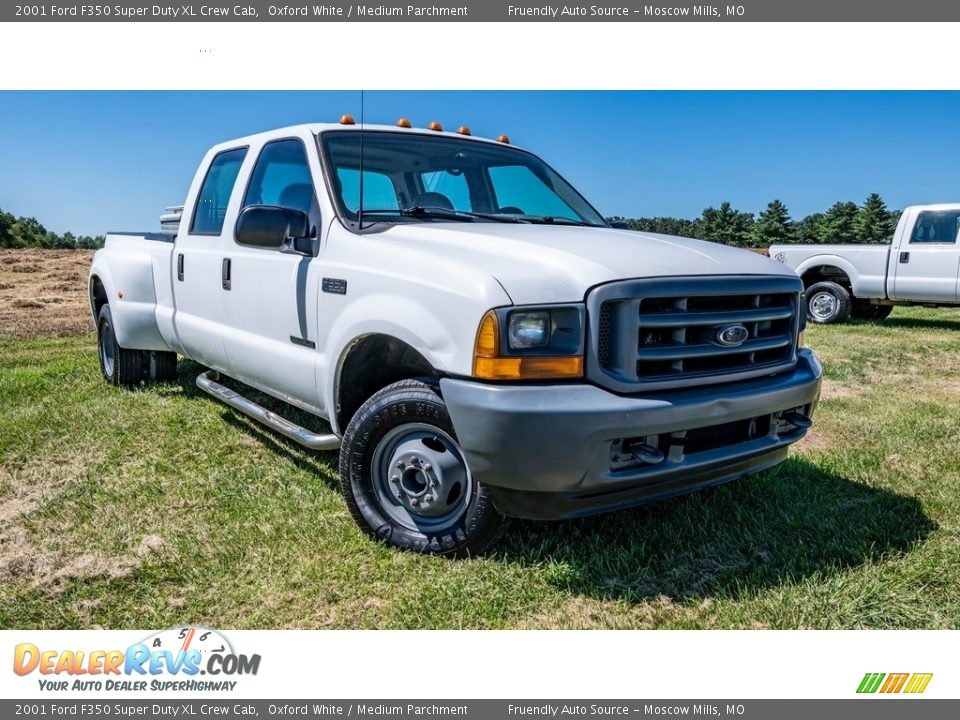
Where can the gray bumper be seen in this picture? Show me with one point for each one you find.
(546, 451)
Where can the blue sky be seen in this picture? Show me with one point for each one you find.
(89, 162)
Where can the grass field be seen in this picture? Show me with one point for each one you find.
(155, 507)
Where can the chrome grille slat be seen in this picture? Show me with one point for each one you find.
(664, 332)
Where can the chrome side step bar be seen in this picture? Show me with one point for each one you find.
(208, 383)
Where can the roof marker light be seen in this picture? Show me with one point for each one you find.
(346, 119)
(404, 123)
(435, 126)
(503, 139)
(463, 130)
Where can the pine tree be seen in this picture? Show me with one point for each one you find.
(726, 225)
(839, 224)
(873, 224)
(773, 226)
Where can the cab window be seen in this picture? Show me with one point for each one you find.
(211, 208)
(936, 226)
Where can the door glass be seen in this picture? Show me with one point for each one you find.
(215, 193)
(936, 226)
(282, 177)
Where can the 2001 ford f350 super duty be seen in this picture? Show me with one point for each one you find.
(482, 343)
(920, 267)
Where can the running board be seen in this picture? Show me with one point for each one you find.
(208, 383)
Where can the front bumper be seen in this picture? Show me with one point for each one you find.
(556, 451)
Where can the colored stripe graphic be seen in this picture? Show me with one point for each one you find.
(894, 683)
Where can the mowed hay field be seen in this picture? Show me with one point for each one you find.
(159, 506)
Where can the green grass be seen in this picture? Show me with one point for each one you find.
(160, 506)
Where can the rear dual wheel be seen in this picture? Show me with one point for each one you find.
(125, 367)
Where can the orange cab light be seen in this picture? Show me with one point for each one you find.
(347, 119)
(404, 123)
(435, 126)
(503, 139)
(463, 130)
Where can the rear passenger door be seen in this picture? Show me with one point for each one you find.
(197, 266)
(270, 310)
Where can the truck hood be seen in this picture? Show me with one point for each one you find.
(560, 263)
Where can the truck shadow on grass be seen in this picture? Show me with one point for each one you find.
(911, 323)
(794, 522)
(321, 464)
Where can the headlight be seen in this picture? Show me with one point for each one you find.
(530, 343)
(528, 329)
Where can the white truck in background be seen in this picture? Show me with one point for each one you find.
(920, 267)
(482, 343)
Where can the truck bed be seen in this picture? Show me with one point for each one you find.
(865, 265)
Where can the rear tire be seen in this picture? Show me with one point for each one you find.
(405, 480)
(127, 368)
(865, 310)
(827, 303)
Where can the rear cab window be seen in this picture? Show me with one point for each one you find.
(211, 208)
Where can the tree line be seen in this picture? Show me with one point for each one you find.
(27, 232)
(843, 222)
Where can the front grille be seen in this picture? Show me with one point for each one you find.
(668, 332)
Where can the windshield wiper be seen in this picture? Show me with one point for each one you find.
(427, 211)
(550, 220)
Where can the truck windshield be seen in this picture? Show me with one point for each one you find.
(409, 177)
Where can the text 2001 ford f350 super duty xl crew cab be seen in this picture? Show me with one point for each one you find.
(921, 267)
(482, 343)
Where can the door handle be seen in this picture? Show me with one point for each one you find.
(225, 274)
(180, 267)
(904, 257)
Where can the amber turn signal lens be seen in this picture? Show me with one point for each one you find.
(463, 130)
(503, 139)
(488, 337)
(434, 126)
(528, 368)
(404, 123)
(346, 119)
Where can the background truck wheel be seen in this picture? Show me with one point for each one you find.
(827, 303)
(864, 310)
(123, 367)
(404, 477)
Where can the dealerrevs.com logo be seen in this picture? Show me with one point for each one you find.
(179, 659)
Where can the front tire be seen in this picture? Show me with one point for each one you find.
(827, 303)
(405, 480)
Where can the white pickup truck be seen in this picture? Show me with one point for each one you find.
(482, 343)
(920, 267)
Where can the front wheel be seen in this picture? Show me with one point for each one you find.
(405, 479)
(827, 303)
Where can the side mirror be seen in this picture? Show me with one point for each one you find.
(269, 226)
(619, 224)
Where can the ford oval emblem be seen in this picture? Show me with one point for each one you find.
(732, 335)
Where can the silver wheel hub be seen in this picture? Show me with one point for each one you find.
(823, 305)
(106, 352)
(420, 477)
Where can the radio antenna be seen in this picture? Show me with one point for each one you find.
(360, 204)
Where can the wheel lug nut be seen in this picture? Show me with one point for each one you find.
(400, 465)
(394, 478)
(414, 502)
(428, 467)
